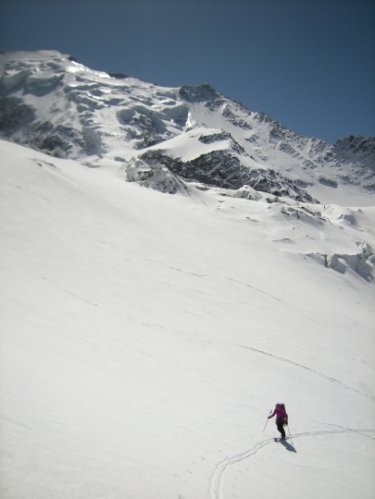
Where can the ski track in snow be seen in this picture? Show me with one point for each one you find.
(313, 371)
(288, 361)
(270, 295)
(216, 479)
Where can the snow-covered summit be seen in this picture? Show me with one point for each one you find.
(51, 102)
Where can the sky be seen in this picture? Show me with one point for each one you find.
(309, 64)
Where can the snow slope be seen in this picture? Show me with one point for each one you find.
(145, 338)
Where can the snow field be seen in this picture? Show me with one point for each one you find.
(145, 337)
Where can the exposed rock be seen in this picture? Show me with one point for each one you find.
(118, 76)
(14, 114)
(328, 182)
(198, 93)
(222, 169)
(217, 137)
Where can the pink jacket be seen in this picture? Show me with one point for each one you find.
(280, 412)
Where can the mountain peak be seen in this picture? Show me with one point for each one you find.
(53, 103)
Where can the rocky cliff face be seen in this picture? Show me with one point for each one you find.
(221, 169)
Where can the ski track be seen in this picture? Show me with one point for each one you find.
(313, 371)
(288, 361)
(216, 478)
(270, 295)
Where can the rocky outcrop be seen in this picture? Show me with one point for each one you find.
(198, 93)
(222, 169)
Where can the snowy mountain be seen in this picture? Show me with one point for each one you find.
(145, 337)
(54, 104)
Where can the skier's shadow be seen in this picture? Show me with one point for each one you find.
(289, 447)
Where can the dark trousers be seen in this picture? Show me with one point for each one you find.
(280, 426)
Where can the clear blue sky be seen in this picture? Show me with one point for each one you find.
(307, 63)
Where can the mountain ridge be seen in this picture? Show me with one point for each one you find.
(53, 103)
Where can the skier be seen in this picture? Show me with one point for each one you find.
(281, 418)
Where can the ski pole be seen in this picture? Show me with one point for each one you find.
(290, 436)
(266, 421)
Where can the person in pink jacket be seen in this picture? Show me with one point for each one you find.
(281, 418)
